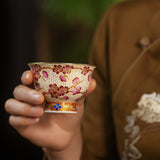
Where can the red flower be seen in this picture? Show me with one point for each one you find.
(45, 74)
(36, 75)
(63, 90)
(89, 77)
(53, 88)
(67, 69)
(85, 70)
(37, 85)
(35, 70)
(63, 79)
(57, 91)
(57, 69)
(76, 90)
(75, 80)
(54, 91)
(65, 97)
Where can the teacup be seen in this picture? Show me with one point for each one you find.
(62, 84)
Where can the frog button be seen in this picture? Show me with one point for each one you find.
(145, 42)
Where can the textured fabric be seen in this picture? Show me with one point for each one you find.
(126, 69)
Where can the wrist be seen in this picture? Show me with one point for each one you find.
(72, 151)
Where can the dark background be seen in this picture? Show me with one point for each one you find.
(17, 44)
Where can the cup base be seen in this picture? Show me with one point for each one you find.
(60, 107)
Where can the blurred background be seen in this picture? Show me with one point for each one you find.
(40, 30)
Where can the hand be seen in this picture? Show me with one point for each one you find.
(53, 131)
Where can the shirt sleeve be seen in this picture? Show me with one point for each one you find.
(97, 128)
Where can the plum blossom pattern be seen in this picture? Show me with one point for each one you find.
(85, 70)
(63, 90)
(56, 91)
(35, 70)
(65, 97)
(45, 74)
(62, 78)
(57, 69)
(89, 77)
(62, 84)
(37, 85)
(75, 80)
(67, 69)
(76, 90)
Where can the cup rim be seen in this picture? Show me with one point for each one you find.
(64, 63)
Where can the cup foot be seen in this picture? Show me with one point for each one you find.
(60, 107)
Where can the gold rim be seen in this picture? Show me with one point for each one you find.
(61, 63)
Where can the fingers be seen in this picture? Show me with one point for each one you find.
(14, 107)
(18, 121)
(92, 87)
(27, 78)
(28, 95)
(26, 108)
(23, 114)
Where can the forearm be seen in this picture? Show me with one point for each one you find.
(72, 151)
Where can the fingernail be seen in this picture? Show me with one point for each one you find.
(26, 76)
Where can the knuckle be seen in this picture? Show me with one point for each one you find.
(25, 109)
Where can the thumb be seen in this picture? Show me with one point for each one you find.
(92, 87)
(27, 78)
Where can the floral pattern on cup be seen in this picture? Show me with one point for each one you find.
(85, 70)
(57, 69)
(45, 74)
(75, 80)
(67, 69)
(76, 90)
(56, 91)
(62, 78)
(61, 82)
(35, 70)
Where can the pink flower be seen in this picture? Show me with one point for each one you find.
(89, 77)
(53, 88)
(75, 80)
(65, 97)
(85, 70)
(45, 74)
(36, 75)
(63, 90)
(35, 70)
(67, 69)
(63, 79)
(37, 85)
(56, 91)
(76, 90)
(57, 69)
